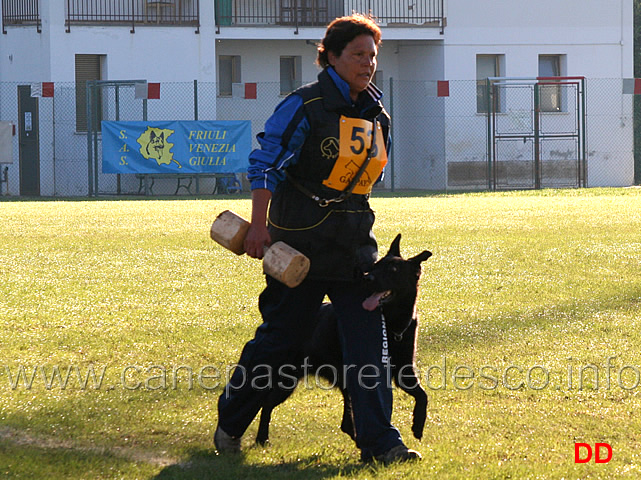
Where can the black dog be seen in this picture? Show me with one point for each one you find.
(393, 282)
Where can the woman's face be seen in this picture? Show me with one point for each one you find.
(356, 64)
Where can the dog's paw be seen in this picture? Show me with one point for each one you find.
(417, 430)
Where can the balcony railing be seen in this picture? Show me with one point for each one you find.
(310, 13)
(293, 13)
(20, 12)
(133, 12)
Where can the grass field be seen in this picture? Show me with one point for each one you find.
(529, 340)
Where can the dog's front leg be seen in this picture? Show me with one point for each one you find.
(276, 397)
(347, 425)
(420, 411)
(407, 380)
(403, 352)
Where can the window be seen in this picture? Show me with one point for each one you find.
(88, 67)
(486, 66)
(228, 74)
(290, 74)
(550, 95)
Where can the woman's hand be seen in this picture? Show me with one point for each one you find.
(258, 236)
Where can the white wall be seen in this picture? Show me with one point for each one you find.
(594, 36)
(24, 55)
(263, 65)
(156, 53)
(419, 115)
(418, 164)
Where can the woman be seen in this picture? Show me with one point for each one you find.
(321, 152)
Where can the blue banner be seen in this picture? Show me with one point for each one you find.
(176, 146)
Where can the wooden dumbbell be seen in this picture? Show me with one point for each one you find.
(281, 261)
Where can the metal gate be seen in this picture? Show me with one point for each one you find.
(536, 132)
(110, 100)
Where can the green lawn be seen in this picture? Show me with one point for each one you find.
(529, 340)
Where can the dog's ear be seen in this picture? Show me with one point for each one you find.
(395, 247)
(421, 257)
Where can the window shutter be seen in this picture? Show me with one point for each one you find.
(87, 68)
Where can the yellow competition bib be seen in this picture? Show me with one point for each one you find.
(355, 139)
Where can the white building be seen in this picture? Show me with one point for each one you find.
(577, 137)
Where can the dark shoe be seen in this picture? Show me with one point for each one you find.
(399, 453)
(226, 443)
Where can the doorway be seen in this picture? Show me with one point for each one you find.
(29, 142)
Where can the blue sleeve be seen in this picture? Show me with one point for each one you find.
(285, 132)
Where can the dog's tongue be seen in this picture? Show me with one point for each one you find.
(371, 302)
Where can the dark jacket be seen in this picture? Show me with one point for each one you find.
(338, 238)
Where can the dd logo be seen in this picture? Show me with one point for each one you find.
(587, 456)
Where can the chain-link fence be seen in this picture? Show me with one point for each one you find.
(447, 136)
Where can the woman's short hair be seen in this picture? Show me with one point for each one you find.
(342, 31)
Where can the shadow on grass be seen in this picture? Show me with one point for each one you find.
(38, 461)
(208, 464)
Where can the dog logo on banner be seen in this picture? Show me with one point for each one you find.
(154, 145)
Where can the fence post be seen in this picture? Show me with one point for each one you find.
(94, 108)
(144, 119)
(118, 180)
(195, 99)
(637, 140)
(89, 149)
(537, 137)
(196, 118)
(584, 146)
(582, 180)
(490, 141)
(53, 143)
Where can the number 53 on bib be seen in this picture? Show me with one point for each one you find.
(355, 139)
